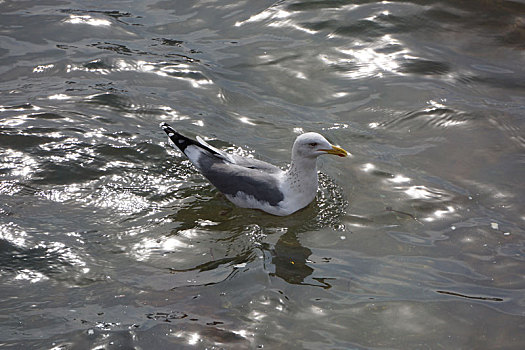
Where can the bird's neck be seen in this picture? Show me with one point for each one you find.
(304, 169)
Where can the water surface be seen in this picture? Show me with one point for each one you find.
(110, 238)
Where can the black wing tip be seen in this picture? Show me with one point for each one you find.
(182, 141)
(168, 129)
(164, 125)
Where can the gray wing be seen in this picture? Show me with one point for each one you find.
(254, 164)
(250, 176)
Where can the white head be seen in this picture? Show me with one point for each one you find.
(311, 145)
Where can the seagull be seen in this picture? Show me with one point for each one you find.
(252, 183)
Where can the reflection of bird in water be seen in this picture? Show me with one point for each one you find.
(251, 183)
(290, 260)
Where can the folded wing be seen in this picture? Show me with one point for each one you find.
(232, 175)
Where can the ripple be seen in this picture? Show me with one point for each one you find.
(16, 163)
(148, 246)
(87, 19)
(180, 67)
(113, 14)
(435, 115)
(13, 235)
(425, 67)
(469, 296)
(123, 203)
(42, 260)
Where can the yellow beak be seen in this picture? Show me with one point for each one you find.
(338, 151)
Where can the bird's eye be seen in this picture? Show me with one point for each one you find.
(313, 144)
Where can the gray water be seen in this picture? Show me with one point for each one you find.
(109, 238)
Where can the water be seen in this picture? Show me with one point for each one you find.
(109, 238)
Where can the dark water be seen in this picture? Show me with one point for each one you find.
(111, 239)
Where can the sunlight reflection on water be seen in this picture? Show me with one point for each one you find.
(89, 20)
